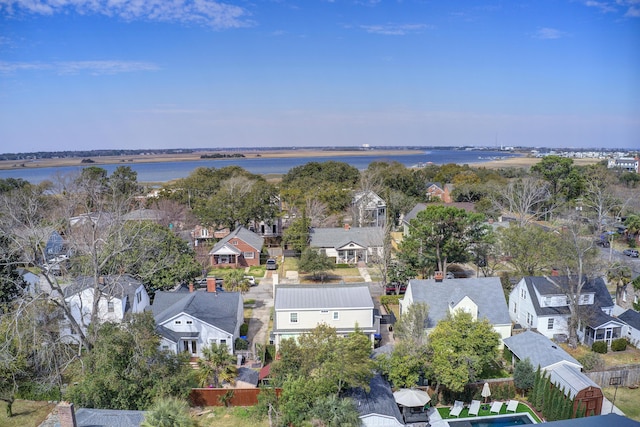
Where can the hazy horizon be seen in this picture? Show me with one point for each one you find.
(102, 74)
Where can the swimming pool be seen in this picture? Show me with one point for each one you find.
(510, 420)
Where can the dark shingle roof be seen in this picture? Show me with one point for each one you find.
(249, 237)
(368, 237)
(596, 421)
(219, 309)
(485, 292)
(248, 375)
(631, 318)
(545, 286)
(379, 400)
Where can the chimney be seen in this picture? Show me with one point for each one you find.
(190, 286)
(67, 414)
(347, 227)
(439, 276)
(101, 280)
(554, 272)
(211, 284)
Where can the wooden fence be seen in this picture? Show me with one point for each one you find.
(215, 396)
(629, 375)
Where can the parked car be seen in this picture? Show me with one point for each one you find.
(251, 280)
(390, 289)
(633, 253)
(603, 243)
(272, 264)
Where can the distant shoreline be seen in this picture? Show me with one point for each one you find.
(521, 161)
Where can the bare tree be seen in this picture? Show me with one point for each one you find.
(526, 198)
(598, 195)
(382, 258)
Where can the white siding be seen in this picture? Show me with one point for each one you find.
(309, 319)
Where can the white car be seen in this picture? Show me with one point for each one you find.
(251, 280)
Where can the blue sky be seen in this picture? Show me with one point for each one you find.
(90, 74)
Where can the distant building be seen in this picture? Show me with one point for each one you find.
(629, 164)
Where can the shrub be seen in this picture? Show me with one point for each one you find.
(244, 329)
(619, 344)
(241, 344)
(592, 361)
(343, 266)
(599, 347)
(390, 299)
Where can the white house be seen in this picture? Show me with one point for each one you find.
(541, 303)
(190, 321)
(482, 297)
(369, 209)
(300, 308)
(118, 295)
(632, 330)
(348, 244)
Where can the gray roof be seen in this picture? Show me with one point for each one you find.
(570, 379)
(379, 400)
(544, 286)
(249, 237)
(540, 350)
(485, 292)
(88, 417)
(413, 213)
(596, 421)
(219, 309)
(631, 318)
(116, 286)
(322, 297)
(368, 237)
(145, 215)
(248, 375)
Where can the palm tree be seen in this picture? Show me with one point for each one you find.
(168, 412)
(333, 411)
(633, 225)
(234, 281)
(216, 366)
(619, 275)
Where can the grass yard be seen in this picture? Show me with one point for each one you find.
(626, 400)
(612, 358)
(26, 413)
(230, 417)
(522, 408)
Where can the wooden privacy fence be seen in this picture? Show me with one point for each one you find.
(214, 396)
(629, 375)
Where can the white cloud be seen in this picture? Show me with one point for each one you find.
(394, 29)
(547, 33)
(632, 7)
(203, 12)
(604, 6)
(95, 68)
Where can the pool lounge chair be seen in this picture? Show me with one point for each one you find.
(496, 407)
(457, 408)
(474, 408)
(512, 406)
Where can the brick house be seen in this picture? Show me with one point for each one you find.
(240, 248)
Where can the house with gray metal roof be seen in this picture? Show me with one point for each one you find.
(300, 308)
(190, 321)
(540, 351)
(579, 387)
(348, 245)
(482, 297)
(541, 303)
(240, 248)
(118, 296)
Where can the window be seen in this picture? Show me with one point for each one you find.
(189, 322)
(293, 317)
(204, 232)
(223, 342)
(529, 319)
(234, 242)
(248, 255)
(550, 323)
(178, 322)
(165, 347)
(139, 297)
(584, 299)
(523, 293)
(111, 307)
(624, 295)
(515, 307)
(336, 315)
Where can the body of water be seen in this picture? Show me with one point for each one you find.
(167, 171)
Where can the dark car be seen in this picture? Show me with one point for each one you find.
(272, 264)
(391, 288)
(633, 253)
(603, 243)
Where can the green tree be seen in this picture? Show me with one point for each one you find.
(619, 275)
(523, 375)
(555, 170)
(530, 250)
(316, 263)
(296, 236)
(168, 412)
(411, 327)
(128, 370)
(333, 411)
(405, 365)
(461, 349)
(445, 232)
(216, 366)
(235, 281)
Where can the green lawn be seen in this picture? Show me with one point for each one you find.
(230, 417)
(522, 408)
(626, 400)
(26, 413)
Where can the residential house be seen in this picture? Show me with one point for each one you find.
(628, 295)
(119, 296)
(300, 308)
(368, 209)
(541, 303)
(439, 191)
(190, 321)
(483, 297)
(376, 407)
(144, 214)
(540, 351)
(631, 318)
(348, 245)
(240, 248)
(629, 164)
